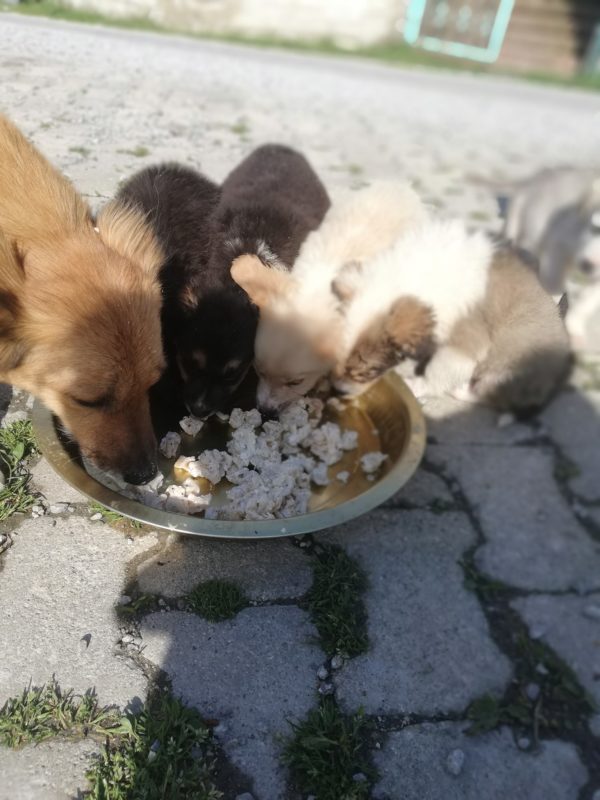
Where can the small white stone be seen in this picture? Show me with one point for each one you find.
(532, 690)
(124, 600)
(59, 508)
(337, 662)
(523, 743)
(326, 688)
(322, 673)
(592, 611)
(505, 420)
(127, 639)
(359, 777)
(455, 761)
(96, 517)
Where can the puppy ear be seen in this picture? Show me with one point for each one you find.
(12, 280)
(410, 327)
(124, 229)
(262, 284)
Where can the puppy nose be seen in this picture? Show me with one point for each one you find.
(199, 409)
(268, 413)
(141, 474)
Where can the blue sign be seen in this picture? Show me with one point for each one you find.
(473, 30)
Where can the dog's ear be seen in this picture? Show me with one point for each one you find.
(124, 229)
(261, 284)
(410, 327)
(12, 280)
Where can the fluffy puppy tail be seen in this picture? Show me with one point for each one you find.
(363, 223)
(37, 203)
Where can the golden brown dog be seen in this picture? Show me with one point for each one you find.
(79, 309)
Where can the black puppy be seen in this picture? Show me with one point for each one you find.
(266, 206)
(178, 202)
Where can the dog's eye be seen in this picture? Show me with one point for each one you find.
(99, 402)
(296, 382)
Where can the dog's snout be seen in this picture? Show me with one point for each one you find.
(141, 474)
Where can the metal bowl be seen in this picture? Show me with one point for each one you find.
(387, 418)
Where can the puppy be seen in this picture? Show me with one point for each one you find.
(266, 206)
(177, 203)
(300, 329)
(80, 320)
(475, 322)
(556, 216)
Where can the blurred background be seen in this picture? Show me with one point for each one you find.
(543, 37)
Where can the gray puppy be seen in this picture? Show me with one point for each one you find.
(556, 216)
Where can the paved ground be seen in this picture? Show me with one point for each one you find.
(488, 558)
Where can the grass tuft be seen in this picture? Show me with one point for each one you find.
(43, 713)
(335, 603)
(216, 600)
(162, 755)
(16, 445)
(139, 152)
(82, 151)
(561, 701)
(326, 751)
(113, 517)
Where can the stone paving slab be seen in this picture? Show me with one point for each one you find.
(533, 540)
(59, 585)
(264, 570)
(571, 626)
(53, 770)
(421, 763)
(53, 487)
(252, 673)
(424, 490)
(573, 421)
(451, 421)
(430, 647)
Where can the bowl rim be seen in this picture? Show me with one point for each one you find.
(59, 459)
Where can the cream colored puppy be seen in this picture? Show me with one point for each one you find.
(300, 331)
(474, 319)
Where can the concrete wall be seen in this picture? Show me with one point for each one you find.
(347, 22)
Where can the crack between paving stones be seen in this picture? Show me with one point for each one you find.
(503, 620)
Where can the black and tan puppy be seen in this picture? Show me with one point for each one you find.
(266, 206)
(178, 203)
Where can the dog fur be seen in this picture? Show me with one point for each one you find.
(492, 333)
(300, 329)
(266, 206)
(80, 320)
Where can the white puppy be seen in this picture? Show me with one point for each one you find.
(300, 329)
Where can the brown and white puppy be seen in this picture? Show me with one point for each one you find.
(80, 319)
(478, 322)
(300, 331)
